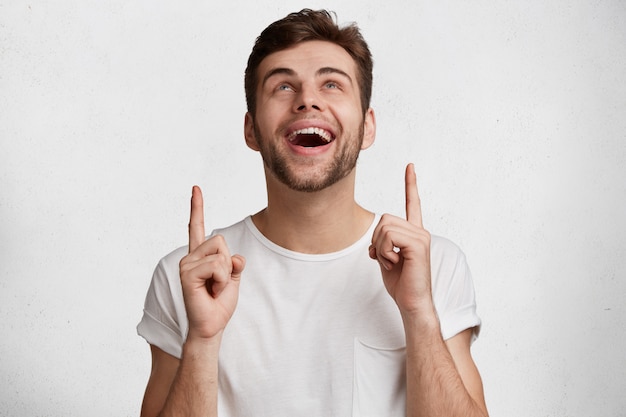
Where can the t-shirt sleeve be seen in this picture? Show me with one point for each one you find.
(164, 322)
(453, 290)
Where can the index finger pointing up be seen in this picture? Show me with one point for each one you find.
(413, 205)
(196, 219)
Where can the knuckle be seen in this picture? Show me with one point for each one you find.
(385, 228)
(222, 259)
(219, 240)
(385, 218)
(183, 262)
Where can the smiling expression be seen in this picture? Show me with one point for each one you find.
(309, 125)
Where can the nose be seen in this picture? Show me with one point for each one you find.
(303, 107)
(308, 100)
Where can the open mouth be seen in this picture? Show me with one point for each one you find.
(310, 137)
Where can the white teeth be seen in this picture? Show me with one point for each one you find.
(310, 131)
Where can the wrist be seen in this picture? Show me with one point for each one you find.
(199, 343)
(422, 319)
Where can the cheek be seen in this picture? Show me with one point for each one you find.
(270, 115)
(347, 107)
(263, 121)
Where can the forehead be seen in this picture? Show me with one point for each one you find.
(308, 57)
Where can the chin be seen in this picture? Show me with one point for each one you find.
(312, 183)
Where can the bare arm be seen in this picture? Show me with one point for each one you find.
(193, 391)
(442, 379)
(162, 374)
(210, 282)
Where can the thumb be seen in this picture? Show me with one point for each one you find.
(239, 263)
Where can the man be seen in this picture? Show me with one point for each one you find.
(314, 306)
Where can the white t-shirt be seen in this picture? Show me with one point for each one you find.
(312, 335)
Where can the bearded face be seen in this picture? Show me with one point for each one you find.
(308, 123)
(310, 174)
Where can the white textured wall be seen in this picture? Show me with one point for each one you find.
(514, 113)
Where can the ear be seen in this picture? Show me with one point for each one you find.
(248, 132)
(369, 128)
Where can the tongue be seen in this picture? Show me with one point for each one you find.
(309, 141)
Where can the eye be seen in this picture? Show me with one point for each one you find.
(284, 87)
(331, 85)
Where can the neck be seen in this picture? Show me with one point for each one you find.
(313, 222)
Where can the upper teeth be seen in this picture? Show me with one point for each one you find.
(310, 131)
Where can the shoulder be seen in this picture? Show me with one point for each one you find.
(442, 248)
(448, 263)
(232, 231)
(169, 263)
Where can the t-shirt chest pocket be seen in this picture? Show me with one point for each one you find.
(379, 386)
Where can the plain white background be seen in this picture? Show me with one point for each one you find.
(513, 112)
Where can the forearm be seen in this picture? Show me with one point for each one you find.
(194, 390)
(434, 386)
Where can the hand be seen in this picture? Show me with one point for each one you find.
(402, 248)
(209, 276)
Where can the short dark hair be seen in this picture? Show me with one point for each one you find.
(310, 25)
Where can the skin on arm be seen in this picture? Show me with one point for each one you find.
(162, 374)
(459, 347)
(210, 282)
(442, 379)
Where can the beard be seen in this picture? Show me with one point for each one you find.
(323, 176)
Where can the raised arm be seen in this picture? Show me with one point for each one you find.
(442, 379)
(210, 282)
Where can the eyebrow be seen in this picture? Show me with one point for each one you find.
(331, 70)
(290, 72)
(277, 71)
